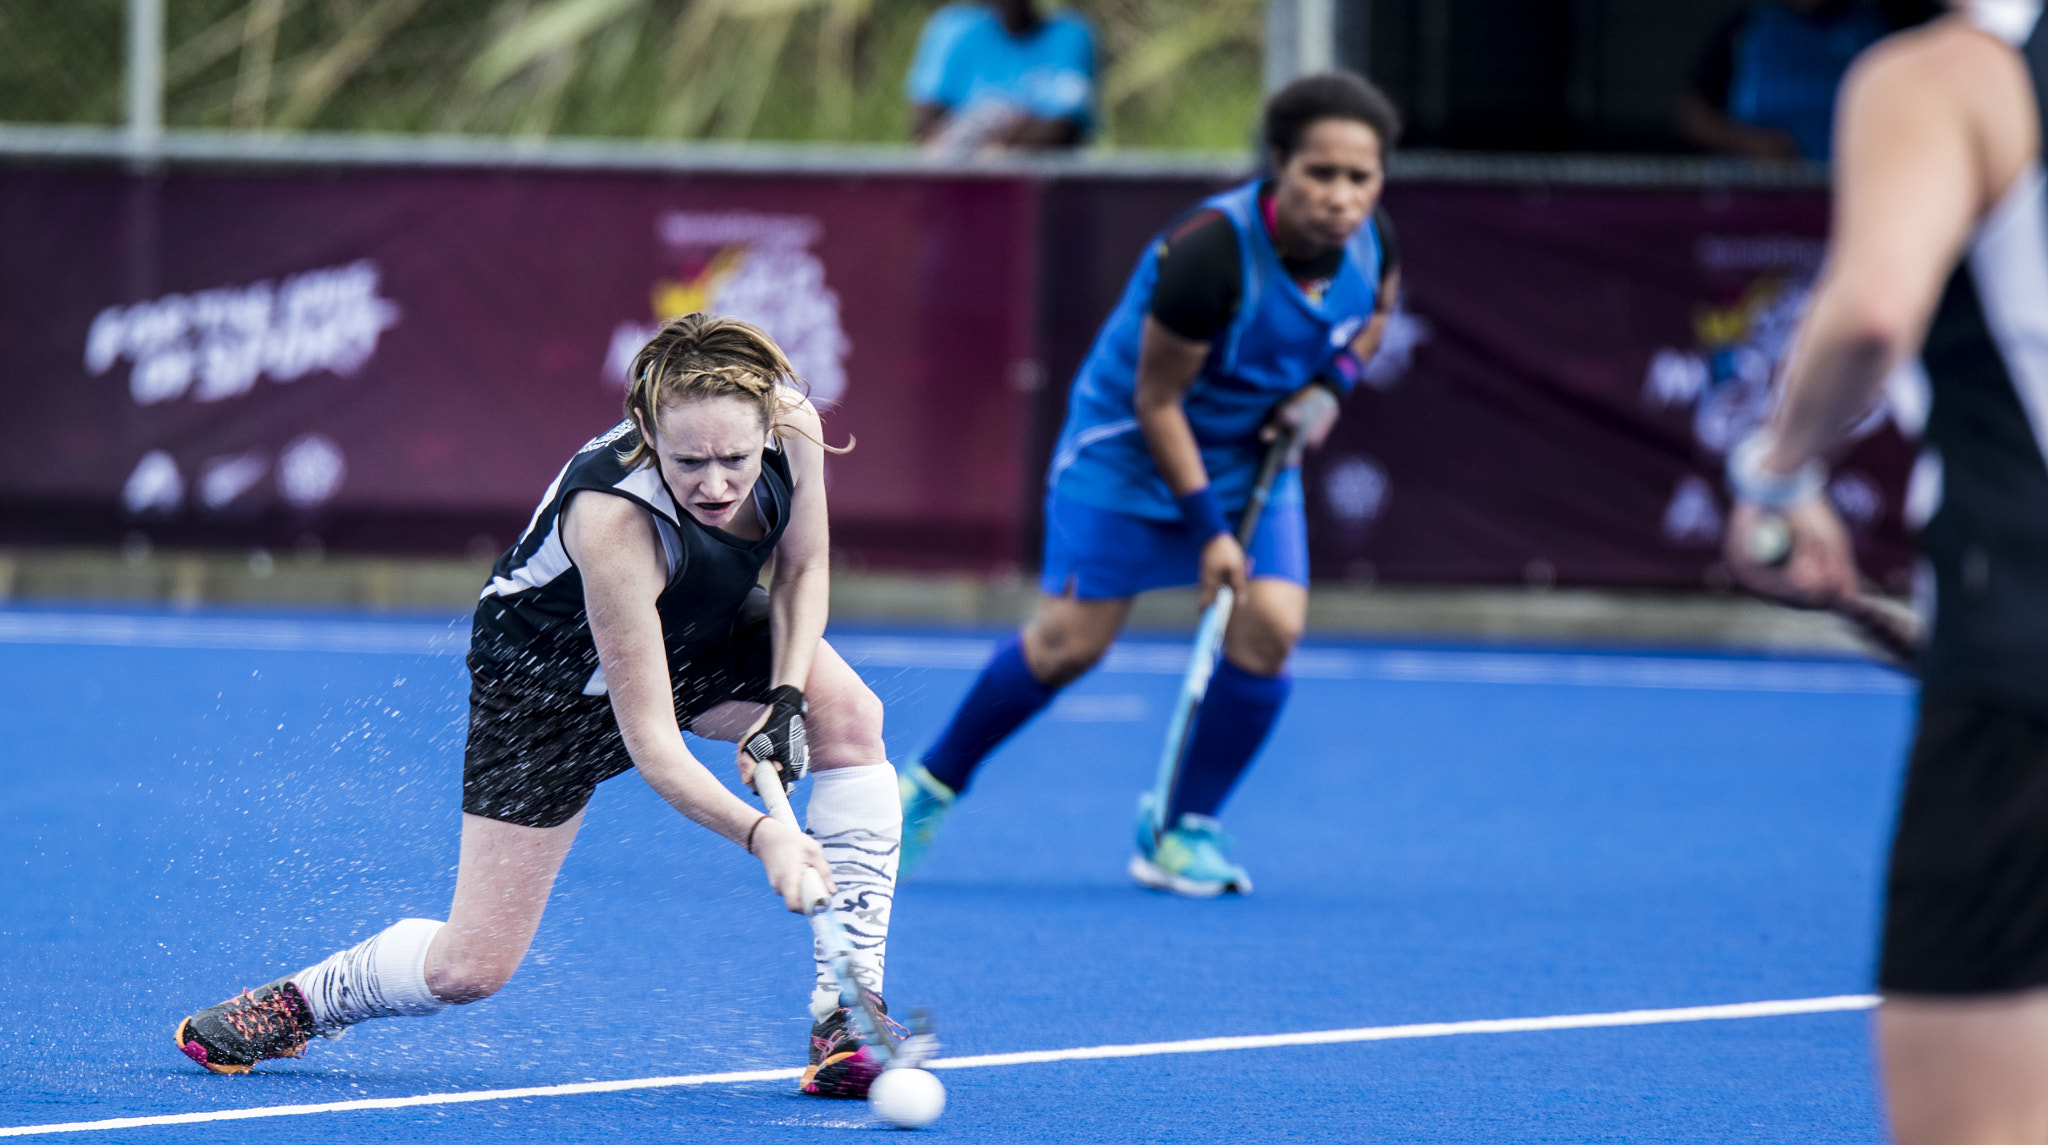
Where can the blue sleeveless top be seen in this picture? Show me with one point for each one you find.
(1278, 340)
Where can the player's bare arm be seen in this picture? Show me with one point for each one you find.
(612, 541)
(1368, 341)
(799, 588)
(1918, 161)
(1167, 367)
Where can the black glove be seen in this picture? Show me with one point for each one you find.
(781, 740)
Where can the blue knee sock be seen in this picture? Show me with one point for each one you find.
(1005, 695)
(1236, 715)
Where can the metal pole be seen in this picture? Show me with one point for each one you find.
(1282, 41)
(1301, 38)
(1315, 29)
(145, 80)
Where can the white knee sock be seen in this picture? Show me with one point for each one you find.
(857, 816)
(384, 976)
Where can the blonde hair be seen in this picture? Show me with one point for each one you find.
(706, 356)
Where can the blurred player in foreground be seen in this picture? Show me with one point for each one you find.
(1249, 315)
(1940, 244)
(631, 608)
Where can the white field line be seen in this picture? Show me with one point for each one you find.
(1428, 1030)
(236, 634)
(1146, 658)
(1775, 1009)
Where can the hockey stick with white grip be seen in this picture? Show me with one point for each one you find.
(1194, 683)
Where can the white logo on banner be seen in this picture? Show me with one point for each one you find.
(1729, 379)
(155, 486)
(1694, 515)
(215, 344)
(310, 470)
(222, 479)
(755, 267)
(1404, 332)
(1355, 489)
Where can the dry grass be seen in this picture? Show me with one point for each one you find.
(1175, 73)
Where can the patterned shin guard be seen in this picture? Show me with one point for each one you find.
(856, 815)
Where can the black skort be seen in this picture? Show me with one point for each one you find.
(1966, 911)
(536, 754)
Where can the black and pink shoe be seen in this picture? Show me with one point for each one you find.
(842, 1065)
(256, 1025)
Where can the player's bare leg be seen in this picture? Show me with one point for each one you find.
(502, 885)
(1266, 625)
(855, 816)
(1966, 1071)
(1068, 636)
(414, 967)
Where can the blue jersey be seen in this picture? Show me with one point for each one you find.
(965, 57)
(1277, 341)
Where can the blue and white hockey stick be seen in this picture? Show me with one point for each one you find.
(1194, 684)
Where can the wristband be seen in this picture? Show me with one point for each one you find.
(1203, 513)
(754, 828)
(1749, 481)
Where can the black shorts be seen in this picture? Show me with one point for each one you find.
(1966, 911)
(536, 754)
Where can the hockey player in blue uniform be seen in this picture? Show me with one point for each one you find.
(1249, 315)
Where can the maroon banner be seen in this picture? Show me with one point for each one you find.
(402, 359)
(1557, 394)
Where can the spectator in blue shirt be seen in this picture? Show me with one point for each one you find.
(1766, 87)
(1002, 75)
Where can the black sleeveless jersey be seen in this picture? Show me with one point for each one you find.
(1985, 466)
(530, 621)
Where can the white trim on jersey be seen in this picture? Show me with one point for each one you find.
(547, 562)
(646, 484)
(1088, 437)
(2009, 261)
(551, 559)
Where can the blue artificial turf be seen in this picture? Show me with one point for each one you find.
(182, 821)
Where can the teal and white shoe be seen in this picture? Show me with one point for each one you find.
(1186, 859)
(925, 804)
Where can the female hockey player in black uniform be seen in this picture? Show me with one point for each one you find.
(628, 610)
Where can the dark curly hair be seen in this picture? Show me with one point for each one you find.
(1328, 95)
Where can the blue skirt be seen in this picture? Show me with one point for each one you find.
(1102, 554)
